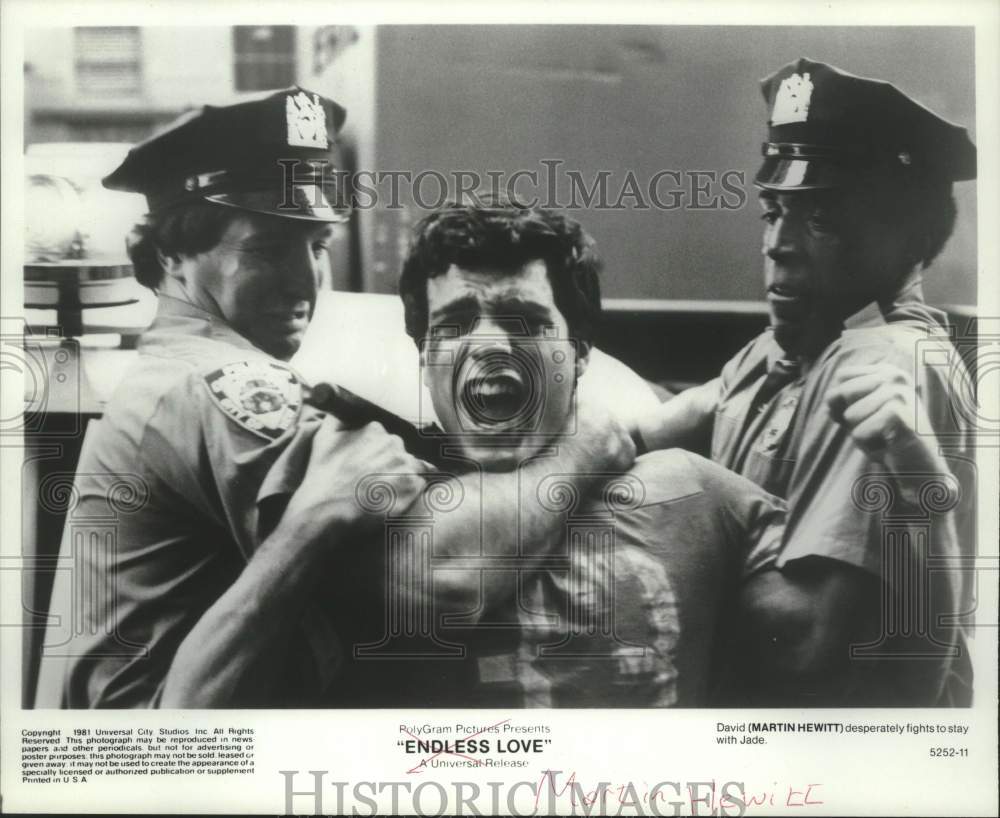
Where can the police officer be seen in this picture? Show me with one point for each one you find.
(215, 508)
(856, 197)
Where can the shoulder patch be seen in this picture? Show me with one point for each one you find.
(261, 396)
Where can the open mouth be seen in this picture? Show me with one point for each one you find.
(784, 291)
(787, 302)
(497, 398)
(292, 317)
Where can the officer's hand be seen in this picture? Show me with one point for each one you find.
(354, 478)
(600, 440)
(878, 404)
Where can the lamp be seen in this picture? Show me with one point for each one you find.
(75, 260)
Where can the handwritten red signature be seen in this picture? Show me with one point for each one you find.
(731, 800)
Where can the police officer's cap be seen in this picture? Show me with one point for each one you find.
(275, 153)
(828, 128)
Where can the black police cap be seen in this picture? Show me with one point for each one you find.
(275, 153)
(828, 128)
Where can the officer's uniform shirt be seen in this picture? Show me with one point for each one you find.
(171, 485)
(793, 448)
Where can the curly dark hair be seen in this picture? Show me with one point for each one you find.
(925, 210)
(503, 235)
(184, 230)
(920, 208)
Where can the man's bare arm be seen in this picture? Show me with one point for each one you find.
(795, 630)
(684, 421)
(506, 513)
(230, 656)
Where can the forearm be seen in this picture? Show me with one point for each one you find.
(915, 455)
(236, 648)
(228, 650)
(506, 517)
(684, 421)
(794, 632)
(797, 629)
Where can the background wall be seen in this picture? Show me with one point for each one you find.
(643, 99)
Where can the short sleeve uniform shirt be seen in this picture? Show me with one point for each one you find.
(170, 486)
(841, 506)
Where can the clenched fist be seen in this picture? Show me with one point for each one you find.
(354, 478)
(878, 404)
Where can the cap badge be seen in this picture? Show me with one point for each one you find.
(791, 104)
(306, 121)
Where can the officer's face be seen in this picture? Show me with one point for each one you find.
(262, 278)
(826, 254)
(498, 361)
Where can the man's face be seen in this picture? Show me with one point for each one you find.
(262, 278)
(827, 253)
(498, 361)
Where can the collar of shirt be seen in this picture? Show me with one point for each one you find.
(775, 353)
(910, 293)
(175, 316)
(907, 298)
